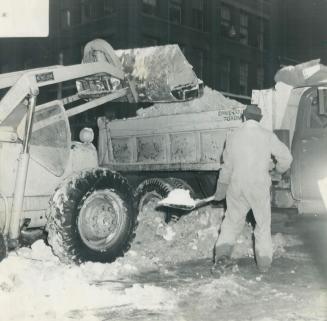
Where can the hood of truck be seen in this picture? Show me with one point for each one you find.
(310, 73)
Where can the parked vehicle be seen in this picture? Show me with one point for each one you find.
(155, 151)
(92, 214)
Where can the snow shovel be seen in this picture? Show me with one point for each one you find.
(187, 207)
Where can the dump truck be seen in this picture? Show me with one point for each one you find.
(49, 182)
(183, 150)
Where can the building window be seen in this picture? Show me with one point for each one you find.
(89, 9)
(197, 14)
(225, 18)
(244, 72)
(65, 19)
(260, 35)
(260, 77)
(225, 74)
(108, 7)
(149, 7)
(198, 62)
(244, 28)
(175, 11)
(317, 120)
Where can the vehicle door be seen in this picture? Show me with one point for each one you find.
(309, 147)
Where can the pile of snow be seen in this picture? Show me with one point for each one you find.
(282, 241)
(192, 237)
(209, 101)
(34, 285)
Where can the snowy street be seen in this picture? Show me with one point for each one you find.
(170, 278)
(135, 135)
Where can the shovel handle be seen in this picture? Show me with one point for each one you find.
(203, 201)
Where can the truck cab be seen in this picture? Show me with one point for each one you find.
(309, 149)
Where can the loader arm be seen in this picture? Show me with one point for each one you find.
(31, 81)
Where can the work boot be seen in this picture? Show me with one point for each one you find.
(223, 264)
(220, 251)
(263, 263)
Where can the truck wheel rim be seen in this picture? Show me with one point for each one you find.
(100, 220)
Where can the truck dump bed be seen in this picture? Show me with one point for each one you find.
(192, 141)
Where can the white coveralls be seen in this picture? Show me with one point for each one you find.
(247, 158)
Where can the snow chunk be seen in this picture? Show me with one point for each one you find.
(178, 196)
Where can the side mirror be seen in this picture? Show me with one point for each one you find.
(24, 18)
(322, 100)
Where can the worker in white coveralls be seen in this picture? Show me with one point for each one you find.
(245, 181)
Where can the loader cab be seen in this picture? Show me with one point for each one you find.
(309, 150)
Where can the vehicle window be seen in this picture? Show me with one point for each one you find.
(50, 140)
(54, 134)
(316, 120)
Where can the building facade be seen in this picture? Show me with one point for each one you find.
(301, 31)
(228, 42)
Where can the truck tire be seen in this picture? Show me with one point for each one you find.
(180, 183)
(92, 217)
(157, 189)
(152, 189)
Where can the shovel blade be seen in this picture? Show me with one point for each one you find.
(182, 207)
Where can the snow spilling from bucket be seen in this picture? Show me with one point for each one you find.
(156, 71)
(209, 101)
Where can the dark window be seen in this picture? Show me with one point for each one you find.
(227, 25)
(244, 28)
(149, 6)
(65, 19)
(225, 17)
(322, 100)
(225, 74)
(197, 14)
(265, 34)
(260, 77)
(260, 35)
(175, 11)
(316, 119)
(198, 64)
(244, 75)
(108, 7)
(89, 9)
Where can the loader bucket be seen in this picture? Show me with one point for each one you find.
(160, 74)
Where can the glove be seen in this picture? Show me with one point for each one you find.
(220, 191)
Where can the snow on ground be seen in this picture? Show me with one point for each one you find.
(35, 286)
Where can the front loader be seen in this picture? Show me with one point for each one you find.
(49, 183)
